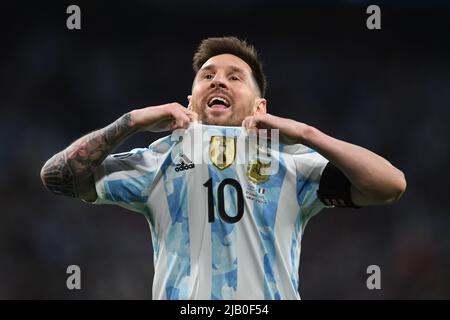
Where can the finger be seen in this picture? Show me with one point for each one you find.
(181, 115)
(173, 126)
(183, 122)
(247, 123)
(193, 116)
(244, 122)
(252, 124)
(179, 124)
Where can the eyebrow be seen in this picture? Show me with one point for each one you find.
(212, 67)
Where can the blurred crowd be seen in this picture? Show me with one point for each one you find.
(386, 90)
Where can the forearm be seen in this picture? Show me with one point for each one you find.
(374, 177)
(70, 172)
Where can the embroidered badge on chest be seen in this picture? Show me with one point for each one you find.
(259, 167)
(222, 151)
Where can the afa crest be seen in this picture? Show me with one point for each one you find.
(222, 151)
(259, 169)
(255, 171)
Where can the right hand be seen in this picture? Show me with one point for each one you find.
(161, 118)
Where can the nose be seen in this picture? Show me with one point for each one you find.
(218, 82)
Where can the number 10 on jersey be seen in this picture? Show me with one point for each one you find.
(232, 183)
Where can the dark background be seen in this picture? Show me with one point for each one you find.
(387, 90)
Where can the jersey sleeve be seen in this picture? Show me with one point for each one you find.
(309, 168)
(126, 179)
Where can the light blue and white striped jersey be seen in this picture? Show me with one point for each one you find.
(222, 228)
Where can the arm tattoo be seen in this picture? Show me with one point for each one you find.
(71, 171)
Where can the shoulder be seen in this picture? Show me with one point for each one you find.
(303, 154)
(156, 150)
(308, 163)
(162, 145)
(296, 149)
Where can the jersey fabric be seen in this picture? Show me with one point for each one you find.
(220, 229)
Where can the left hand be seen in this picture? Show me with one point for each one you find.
(291, 132)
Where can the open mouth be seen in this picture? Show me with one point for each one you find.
(218, 103)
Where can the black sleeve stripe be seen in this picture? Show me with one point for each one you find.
(334, 188)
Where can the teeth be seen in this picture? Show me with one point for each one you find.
(220, 99)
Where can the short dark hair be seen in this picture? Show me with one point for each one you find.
(211, 47)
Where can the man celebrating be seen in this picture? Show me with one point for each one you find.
(223, 230)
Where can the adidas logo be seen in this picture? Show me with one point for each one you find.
(185, 164)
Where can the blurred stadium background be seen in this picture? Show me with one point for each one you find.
(387, 90)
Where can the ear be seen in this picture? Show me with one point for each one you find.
(261, 105)
(189, 102)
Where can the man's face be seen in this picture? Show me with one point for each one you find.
(224, 92)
